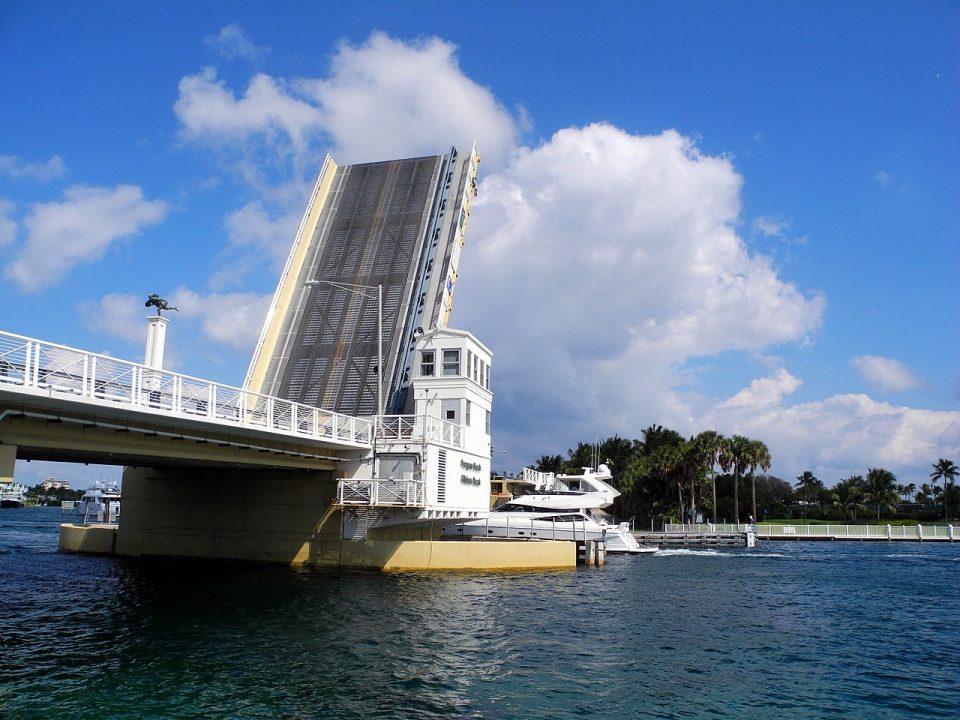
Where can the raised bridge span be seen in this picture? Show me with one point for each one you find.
(62, 403)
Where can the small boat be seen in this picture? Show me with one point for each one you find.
(559, 507)
(101, 502)
(12, 495)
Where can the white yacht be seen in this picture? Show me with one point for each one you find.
(560, 507)
(101, 502)
(12, 495)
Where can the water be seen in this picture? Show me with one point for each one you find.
(800, 630)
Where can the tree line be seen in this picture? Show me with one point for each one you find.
(665, 477)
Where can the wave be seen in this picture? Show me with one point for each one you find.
(715, 553)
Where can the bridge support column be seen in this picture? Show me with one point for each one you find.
(8, 458)
(278, 516)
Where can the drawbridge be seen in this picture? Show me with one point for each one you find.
(373, 266)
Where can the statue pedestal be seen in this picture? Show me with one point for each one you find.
(156, 336)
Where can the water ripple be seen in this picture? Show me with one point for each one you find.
(797, 629)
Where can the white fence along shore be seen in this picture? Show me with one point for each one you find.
(788, 531)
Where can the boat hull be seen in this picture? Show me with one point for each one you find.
(572, 527)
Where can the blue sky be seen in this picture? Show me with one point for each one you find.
(730, 215)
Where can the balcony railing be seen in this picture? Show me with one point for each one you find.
(30, 366)
(419, 428)
(381, 493)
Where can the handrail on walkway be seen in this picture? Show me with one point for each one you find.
(378, 492)
(30, 366)
(405, 428)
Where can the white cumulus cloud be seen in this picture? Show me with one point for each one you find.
(232, 42)
(844, 434)
(8, 226)
(387, 98)
(764, 392)
(230, 319)
(118, 315)
(255, 234)
(885, 374)
(16, 167)
(78, 229)
(599, 263)
(210, 111)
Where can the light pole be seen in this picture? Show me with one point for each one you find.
(356, 289)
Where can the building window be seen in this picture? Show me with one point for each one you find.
(450, 410)
(487, 383)
(486, 424)
(451, 362)
(466, 414)
(476, 361)
(426, 364)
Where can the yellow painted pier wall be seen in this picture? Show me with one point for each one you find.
(281, 517)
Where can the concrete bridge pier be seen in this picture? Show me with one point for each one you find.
(8, 459)
(280, 516)
(277, 516)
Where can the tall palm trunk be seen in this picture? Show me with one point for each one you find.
(713, 481)
(736, 495)
(693, 499)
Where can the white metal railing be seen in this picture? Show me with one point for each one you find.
(419, 428)
(381, 492)
(538, 478)
(30, 366)
(789, 531)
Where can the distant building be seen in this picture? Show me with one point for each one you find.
(398, 224)
(54, 484)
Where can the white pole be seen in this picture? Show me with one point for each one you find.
(380, 409)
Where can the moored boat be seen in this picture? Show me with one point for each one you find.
(559, 507)
(12, 495)
(101, 502)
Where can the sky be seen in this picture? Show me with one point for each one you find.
(739, 216)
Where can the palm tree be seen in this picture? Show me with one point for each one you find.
(550, 463)
(847, 496)
(881, 489)
(759, 457)
(805, 483)
(909, 489)
(734, 455)
(616, 452)
(708, 445)
(945, 470)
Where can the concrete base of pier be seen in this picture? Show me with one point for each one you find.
(281, 517)
(92, 539)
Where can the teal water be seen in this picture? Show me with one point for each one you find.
(798, 630)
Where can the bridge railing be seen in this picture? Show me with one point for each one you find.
(418, 428)
(33, 366)
(381, 492)
(789, 531)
